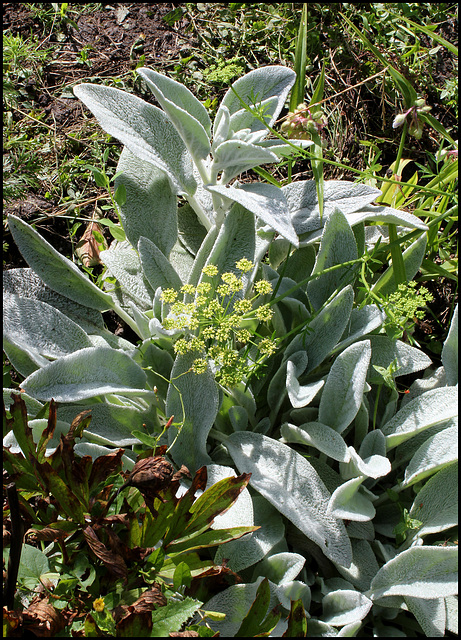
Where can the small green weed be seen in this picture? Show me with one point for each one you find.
(404, 307)
(224, 71)
(16, 50)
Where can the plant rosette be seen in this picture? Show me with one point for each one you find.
(244, 300)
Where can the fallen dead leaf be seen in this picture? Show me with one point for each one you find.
(88, 248)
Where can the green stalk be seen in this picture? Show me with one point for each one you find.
(398, 265)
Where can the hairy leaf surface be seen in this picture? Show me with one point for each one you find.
(291, 484)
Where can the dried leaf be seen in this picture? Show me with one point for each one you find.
(120, 549)
(42, 619)
(12, 621)
(151, 473)
(115, 563)
(48, 431)
(78, 424)
(135, 625)
(104, 466)
(213, 580)
(131, 618)
(88, 248)
(47, 533)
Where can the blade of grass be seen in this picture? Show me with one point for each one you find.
(419, 27)
(297, 92)
(317, 164)
(398, 265)
(404, 87)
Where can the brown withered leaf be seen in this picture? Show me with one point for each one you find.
(184, 634)
(49, 429)
(114, 562)
(161, 450)
(154, 473)
(151, 476)
(117, 518)
(78, 424)
(88, 248)
(104, 466)
(182, 473)
(47, 533)
(130, 618)
(149, 600)
(64, 455)
(12, 623)
(135, 624)
(42, 619)
(199, 481)
(120, 548)
(212, 581)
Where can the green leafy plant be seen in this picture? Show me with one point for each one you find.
(224, 71)
(124, 539)
(323, 432)
(405, 307)
(415, 115)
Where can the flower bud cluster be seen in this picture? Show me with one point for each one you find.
(405, 307)
(302, 123)
(407, 300)
(217, 324)
(415, 127)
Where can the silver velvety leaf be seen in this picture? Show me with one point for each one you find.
(146, 130)
(57, 271)
(87, 373)
(193, 400)
(289, 482)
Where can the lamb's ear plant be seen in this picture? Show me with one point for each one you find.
(245, 299)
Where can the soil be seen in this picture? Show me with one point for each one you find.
(109, 42)
(111, 39)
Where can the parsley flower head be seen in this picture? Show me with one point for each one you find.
(264, 313)
(262, 287)
(199, 365)
(188, 288)
(267, 346)
(218, 325)
(210, 270)
(169, 296)
(242, 306)
(244, 265)
(233, 283)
